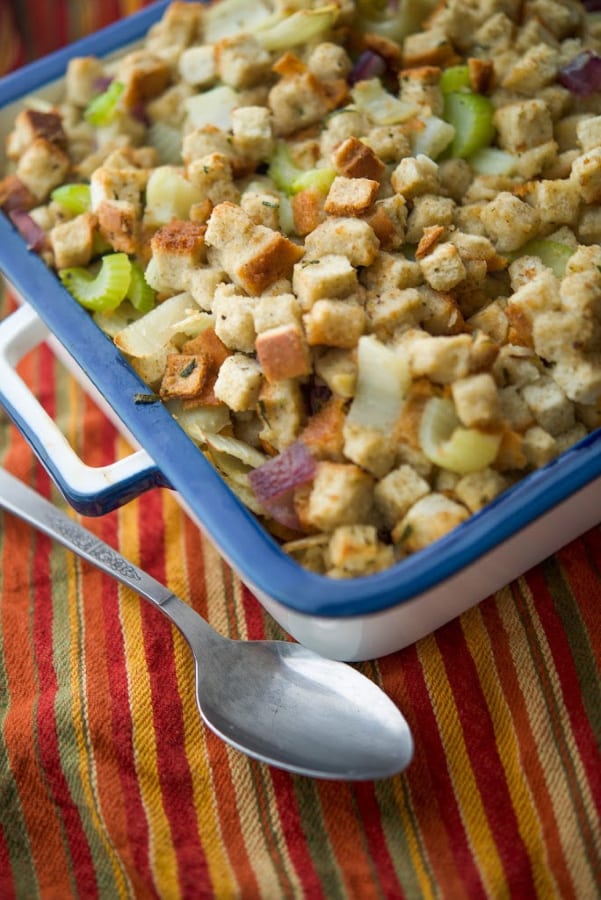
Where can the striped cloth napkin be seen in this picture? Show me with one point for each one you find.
(110, 787)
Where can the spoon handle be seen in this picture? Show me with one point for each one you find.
(25, 503)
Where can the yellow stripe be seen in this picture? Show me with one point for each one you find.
(576, 851)
(529, 826)
(222, 877)
(162, 855)
(77, 658)
(469, 801)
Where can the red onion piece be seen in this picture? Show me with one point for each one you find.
(368, 65)
(282, 510)
(28, 228)
(102, 84)
(592, 5)
(138, 112)
(15, 195)
(582, 76)
(283, 473)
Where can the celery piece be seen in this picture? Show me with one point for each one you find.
(285, 30)
(139, 293)
(553, 254)
(472, 117)
(74, 198)
(282, 170)
(455, 79)
(319, 180)
(101, 110)
(103, 291)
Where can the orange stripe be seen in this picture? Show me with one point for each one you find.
(551, 850)
(432, 833)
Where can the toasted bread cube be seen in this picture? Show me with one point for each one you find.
(393, 309)
(430, 518)
(119, 225)
(283, 353)
(281, 410)
(212, 175)
(253, 256)
(81, 79)
(355, 550)
(354, 159)
(476, 400)
(335, 323)
(273, 310)
(73, 241)
(479, 488)
(239, 382)
(197, 65)
(31, 124)
(350, 196)
(428, 48)
(396, 493)
(241, 61)
(42, 167)
(184, 377)
(443, 268)
(341, 495)
(369, 448)
(345, 236)
(509, 221)
(442, 358)
(549, 405)
(234, 318)
(253, 133)
(588, 132)
(338, 369)
(416, 175)
(331, 275)
(177, 248)
(586, 174)
(145, 75)
(179, 26)
(202, 282)
(523, 125)
(539, 446)
(389, 271)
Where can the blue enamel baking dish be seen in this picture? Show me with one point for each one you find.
(354, 619)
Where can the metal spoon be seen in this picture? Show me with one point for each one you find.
(273, 700)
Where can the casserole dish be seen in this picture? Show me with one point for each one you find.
(353, 619)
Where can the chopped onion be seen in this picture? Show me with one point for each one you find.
(382, 381)
(382, 107)
(283, 473)
(368, 65)
(28, 228)
(233, 447)
(285, 30)
(582, 76)
(449, 445)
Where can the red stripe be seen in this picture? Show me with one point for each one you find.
(369, 812)
(218, 754)
(534, 773)
(481, 744)
(294, 836)
(582, 733)
(46, 724)
(7, 884)
(253, 615)
(427, 736)
(172, 762)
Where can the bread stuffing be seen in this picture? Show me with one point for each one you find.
(354, 249)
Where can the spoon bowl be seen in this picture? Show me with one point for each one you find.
(276, 701)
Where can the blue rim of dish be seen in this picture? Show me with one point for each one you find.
(244, 542)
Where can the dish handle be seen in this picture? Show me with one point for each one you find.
(91, 490)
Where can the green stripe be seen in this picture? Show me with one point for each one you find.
(317, 839)
(554, 706)
(67, 701)
(568, 611)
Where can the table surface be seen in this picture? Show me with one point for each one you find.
(111, 787)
